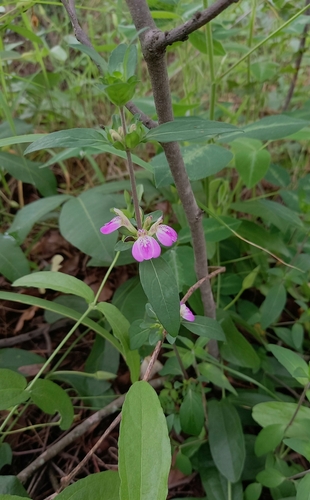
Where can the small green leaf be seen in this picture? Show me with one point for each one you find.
(268, 439)
(198, 40)
(275, 412)
(75, 137)
(92, 54)
(216, 376)
(12, 389)
(13, 262)
(183, 463)
(51, 398)
(192, 416)
(103, 485)
(12, 489)
(292, 362)
(253, 491)
(120, 326)
(216, 485)
(13, 358)
(160, 287)
(237, 349)
(205, 327)
(5, 454)
(226, 439)
(303, 488)
(301, 446)
(264, 71)
(57, 281)
(271, 478)
(144, 443)
(138, 336)
(273, 305)
(251, 162)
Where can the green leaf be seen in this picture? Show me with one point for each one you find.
(270, 477)
(63, 311)
(237, 349)
(24, 32)
(28, 171)
(181, 260)
(183, 463)
(251, 161)
(213, 229)
(192, 416)
(253, 491)
(294, 363)
(160, 287)
(51, 398)
(75, 137)
(273, 305)
(20, 139)
(137, 335)
(216, 485)
(301, 446)
(120, 326)
(120, 93)
(303, 488)
(80, 221)
(103, 485)
(274, 412)
(13, 262)
(92, 54)
(30, 214)
(205, 327)
(198, 40)
(57, 281)
(226, 439)
(144, 446)
(5, 454)
(264, 71)
(270, 128)
(10, 485)
(216, 376)
(130, 299)
(200, 162)
(268, 439)
(188, 128)
(13, 358)
(12, 389)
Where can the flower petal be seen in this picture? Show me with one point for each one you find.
(166, 235)
(145, 248)
(186, 313)
(111, 226)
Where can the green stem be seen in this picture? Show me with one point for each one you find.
(131, 173)
(106, 277)
(252, 23)
(274, 33)
(229, 491)
(234, 300)
(209, 43)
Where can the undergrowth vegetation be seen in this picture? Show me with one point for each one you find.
(154, 268)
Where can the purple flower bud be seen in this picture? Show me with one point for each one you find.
(186, 313)
(166, 235)
(111, 226)
(145, 248)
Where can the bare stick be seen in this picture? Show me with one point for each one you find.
(193, 288)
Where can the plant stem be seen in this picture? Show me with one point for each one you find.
(131, 173)
(209, 42)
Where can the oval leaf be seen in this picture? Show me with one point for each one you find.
(294, 363)
(79, 137)
(144, 446)
(13, 262)
(51, 398)
(192, 416)
(205, 327)
(161, 289)
(273, 305)
(12, 389)
(57, 281)
(303, 489)
(104, 485)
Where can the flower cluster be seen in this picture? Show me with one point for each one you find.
(145, 247)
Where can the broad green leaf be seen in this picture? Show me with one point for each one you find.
(120, 326)
(12, 489)
(268, 439)
(263, 71)
(251, 161)
(216, 376)
(205, 327)
(12, 389)
(144, 446)
(200, 162)
(303, 488)
(236, 348)
(27, 216)
(75, 137)
(160, 287)
(198, 40)
(213, 229)
(13, 359)
(13, 262)
(270, 477)
(253, 491)
(192, 416)
(100, 486)
(29, 171)
(5, 454)
(274, 412)
(130, 299)
(57, 281)
(188, 128)
(216, 485)
(273, 305)
(226, 439)
(80, 221)
(301, 446)
(270, 128)
(294, 363)
(92, 54)
(20, 139)
(51, 398)
(63, 311)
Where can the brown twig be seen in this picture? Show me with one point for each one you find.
(195, 287)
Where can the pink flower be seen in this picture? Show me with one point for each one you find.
(145, 248)
(117, 222)
(166, 235)
(186, 313)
